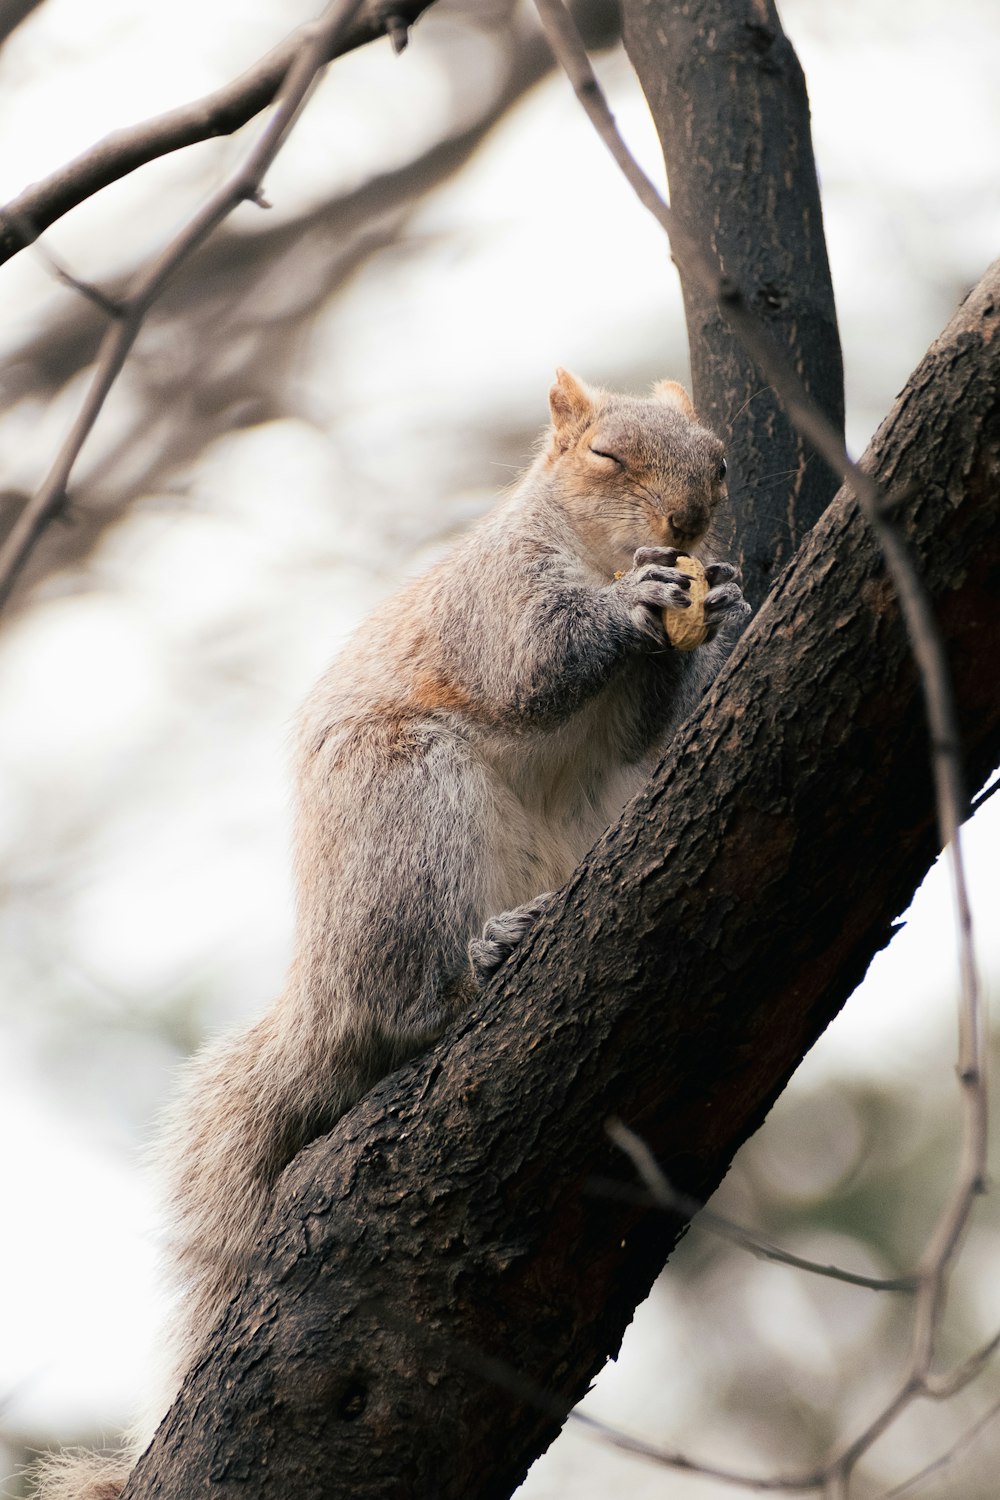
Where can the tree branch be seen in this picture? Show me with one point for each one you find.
(663, 1195)
(723, 74)
(12, 13)
(314, 42)
(963, 1441)
(316, 252)
(25, 217)
(682, 973)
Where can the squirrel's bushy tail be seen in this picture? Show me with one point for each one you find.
(81, 1475)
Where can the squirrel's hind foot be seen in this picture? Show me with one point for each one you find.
(501, 936)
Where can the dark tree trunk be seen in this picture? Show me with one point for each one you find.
(729, 100)
(446, 1233)
(12, 13)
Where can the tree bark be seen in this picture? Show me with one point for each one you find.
(444, 1243)
(12, 13)
(729, 101)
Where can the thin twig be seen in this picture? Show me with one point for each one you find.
(918, 1383)
(961, 1442)
(661, 1193)
(218, 113)
(91, 293)
(943, 1387)
(385, 197)
(984, 796)
(927, 646)
(673, 1459)
(315, 43)
(560, 1409)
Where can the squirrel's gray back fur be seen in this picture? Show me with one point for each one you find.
(456, 761)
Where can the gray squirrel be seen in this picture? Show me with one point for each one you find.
(454, 764)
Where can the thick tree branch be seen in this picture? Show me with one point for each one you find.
(722, 74)
(12, 13)
(445, 1229)
(25, 217)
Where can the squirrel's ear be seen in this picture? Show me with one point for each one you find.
(571, 404)
(672, 393)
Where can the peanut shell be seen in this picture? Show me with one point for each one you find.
(687, 628)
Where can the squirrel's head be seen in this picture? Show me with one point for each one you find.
(633, 472)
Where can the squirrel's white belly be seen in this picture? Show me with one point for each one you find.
(552, 804)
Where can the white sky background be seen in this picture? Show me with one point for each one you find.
(194, 879)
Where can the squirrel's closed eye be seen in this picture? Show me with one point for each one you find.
(603, 453)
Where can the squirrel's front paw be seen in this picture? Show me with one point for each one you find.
(652, 585)
(724, 601)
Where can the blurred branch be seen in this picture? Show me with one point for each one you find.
(230, 350)
(672, 1458)
(314, 43)
(958, 1446)
(943, 1387)
(12, 13)
(25, 217)
(660, 1193)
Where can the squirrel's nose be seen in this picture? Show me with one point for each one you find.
(689, 521)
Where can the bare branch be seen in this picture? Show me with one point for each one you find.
(943, 1387)
(505, 1377)
(12, 13)
(958, 1446)
(672, 1459)
(315, 43)
(662, 1194)
(316, 252)
(109, 306)
(219, 113)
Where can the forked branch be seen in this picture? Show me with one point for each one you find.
(226, 110)
(314, 45)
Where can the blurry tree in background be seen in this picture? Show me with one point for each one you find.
(265, 471)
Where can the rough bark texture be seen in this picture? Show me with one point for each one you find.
(710, 937)
(729, 100)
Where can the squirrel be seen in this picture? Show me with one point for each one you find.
(456, 761)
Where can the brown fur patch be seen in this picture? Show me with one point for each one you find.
(431, 692)
(397, 734)
(385, 733)
(426, 689)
